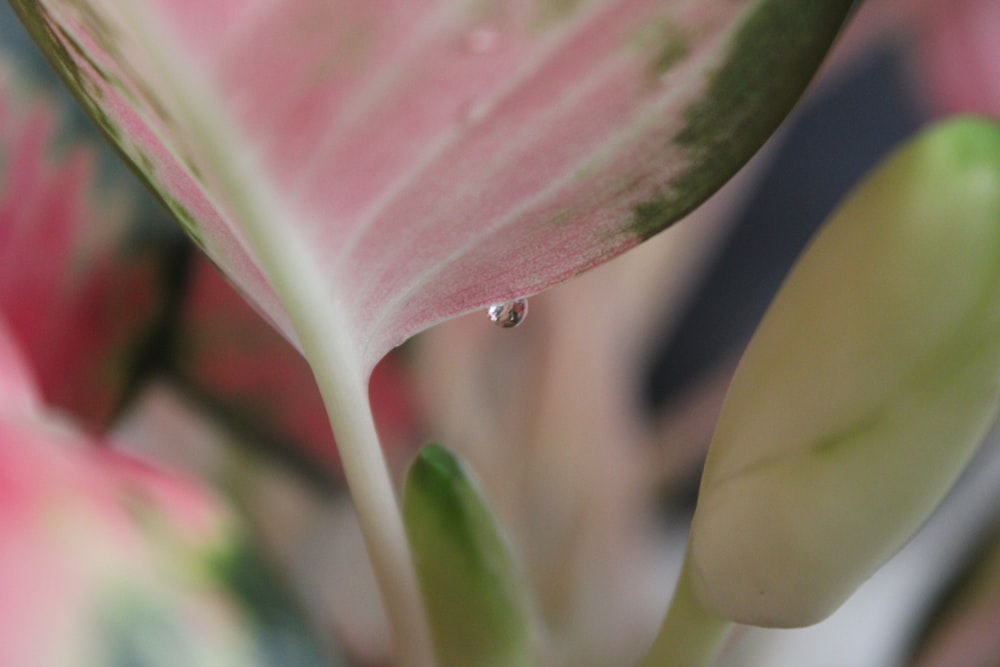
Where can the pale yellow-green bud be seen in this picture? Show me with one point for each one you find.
(865, 391)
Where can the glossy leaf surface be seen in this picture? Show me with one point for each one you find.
(431, 157)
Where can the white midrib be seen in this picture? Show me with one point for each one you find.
(316, 316)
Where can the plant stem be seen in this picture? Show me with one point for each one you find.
(691, 636)
(332, 354)
(346, 400)
(246, 198)
(316, 316)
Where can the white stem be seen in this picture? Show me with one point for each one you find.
(691, 636)
(315, 314)
(345, 395)
(332, 354)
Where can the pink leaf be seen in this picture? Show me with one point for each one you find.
(363, 169)
(961, 55)
(79, 295)
(431, 157)
(18, 392)
(88, 532)
(97, 551)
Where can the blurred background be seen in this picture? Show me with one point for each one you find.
(587, 426)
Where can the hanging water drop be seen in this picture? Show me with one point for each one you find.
(473, 112)
(509, 313)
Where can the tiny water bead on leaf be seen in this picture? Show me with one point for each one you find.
(508, 314)
(482, 40)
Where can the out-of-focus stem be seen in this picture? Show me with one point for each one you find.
(690, 636)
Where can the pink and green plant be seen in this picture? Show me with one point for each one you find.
(364, 170)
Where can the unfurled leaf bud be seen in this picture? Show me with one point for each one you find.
(475, 598)
(864, 392)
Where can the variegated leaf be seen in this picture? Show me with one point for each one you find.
(428, 158)
(82, 289)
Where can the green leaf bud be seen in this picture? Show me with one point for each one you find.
(475, 597)
(865, 391)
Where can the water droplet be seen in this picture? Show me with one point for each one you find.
(482, 39)
(474, 112)
(508, 314)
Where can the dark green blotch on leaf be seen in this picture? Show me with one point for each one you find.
(770, 61)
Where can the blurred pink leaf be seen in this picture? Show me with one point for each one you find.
(18, 391)
(80, 296)
(959, 43)
(106, 559)
(95, 548)
(84, 320)
(421, 159)
(953, 45)
(962, 627)
(100, 555)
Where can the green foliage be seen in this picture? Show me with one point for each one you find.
(474, 595)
